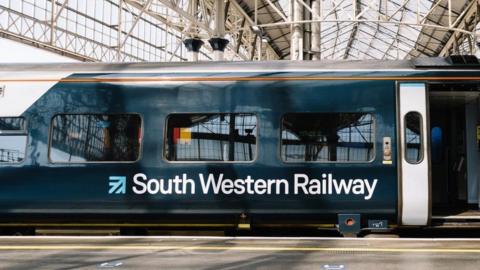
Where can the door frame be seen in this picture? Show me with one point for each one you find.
(414, 179)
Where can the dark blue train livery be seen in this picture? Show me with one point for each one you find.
(363, 144)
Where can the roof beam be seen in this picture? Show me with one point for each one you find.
(356, 12)
(461, 22)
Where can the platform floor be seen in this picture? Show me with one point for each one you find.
(464, 214)
(236, 253)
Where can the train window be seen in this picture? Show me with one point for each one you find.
(95, 137)
(413, 138)
(13, 139)
(211, 137)
(327, 137)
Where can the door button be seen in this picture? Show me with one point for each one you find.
(387, 150)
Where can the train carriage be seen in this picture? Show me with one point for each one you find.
(354, 145)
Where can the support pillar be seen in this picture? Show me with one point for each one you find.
(193, 46)
(193, 43)
(218, 42)
(307, 31)
(119, 31)
(53, 23)
(296, 48)
(316, 31)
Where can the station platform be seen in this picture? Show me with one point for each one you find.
(464, 214)
(463, 218)
(52, 252)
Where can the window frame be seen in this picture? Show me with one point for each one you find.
(374, 131)
(422, 157)
(140, 152)
(17, 133)
(165, 139)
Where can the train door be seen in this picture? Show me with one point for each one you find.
(455, 151)
(414, 166)
(449, 166)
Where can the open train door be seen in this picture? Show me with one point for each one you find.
(414, 176)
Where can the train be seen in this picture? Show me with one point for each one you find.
(349, 145)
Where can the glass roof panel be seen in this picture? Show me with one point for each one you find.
(382, 29)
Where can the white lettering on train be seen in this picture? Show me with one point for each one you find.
(218, 184)
(329, 185)
(176, 185)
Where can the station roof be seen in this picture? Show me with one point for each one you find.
(407, 34)
(431, 41)
(154, 30)
(279, 37)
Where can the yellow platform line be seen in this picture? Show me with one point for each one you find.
(235, 248)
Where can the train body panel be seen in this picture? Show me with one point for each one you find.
(268, 187)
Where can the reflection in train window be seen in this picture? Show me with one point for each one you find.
(95, 137)
(437, 144)
(328, 137)
(13, 139)
(413, 137)
(211, 137)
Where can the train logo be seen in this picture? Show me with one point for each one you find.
(117, 184)
(218, 184)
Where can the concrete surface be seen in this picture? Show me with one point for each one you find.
(236, 253)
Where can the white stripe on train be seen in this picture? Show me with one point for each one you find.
(15, 100)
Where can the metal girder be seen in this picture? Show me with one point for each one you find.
(421, 20)
(93, 31)
(468, 18)
(356, 14)
(367, 21)
(153, 30)
(236, 22)
(125, 30)
(135, 22)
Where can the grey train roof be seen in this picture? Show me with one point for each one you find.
(201, 67)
